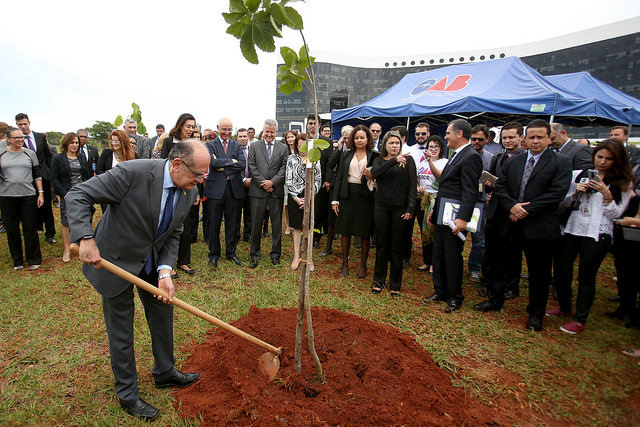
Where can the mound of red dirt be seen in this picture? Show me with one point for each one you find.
(374, 375)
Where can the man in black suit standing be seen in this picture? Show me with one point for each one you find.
(458, 181)
(530, 189)
(224, 191)
(579, 155)
(267, 164)
(502, 260)
(37, 142)
(89, 152)
(244, 211)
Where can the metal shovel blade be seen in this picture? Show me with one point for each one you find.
(268, 365)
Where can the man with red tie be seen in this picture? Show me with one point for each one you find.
(37, 142)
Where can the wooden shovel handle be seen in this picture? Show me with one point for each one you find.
(176, 301)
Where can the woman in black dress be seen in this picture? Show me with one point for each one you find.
(68, 169)
(353, 195)
(396, 192)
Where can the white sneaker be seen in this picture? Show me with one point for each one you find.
(34, 267)
(18, 267)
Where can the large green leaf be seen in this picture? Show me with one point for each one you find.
(321, 144)
(303, 147)
(287, 87)
(294, 17)
(314, 154)
(298, 86)
(247, 47)
(252, 5)
(118, 122)
(289, 55)
(305, 62)
(262, 32)
(232, 18)
(298, 73)
(279, 15)
(237, 6)
(277, 28)
(236, 29)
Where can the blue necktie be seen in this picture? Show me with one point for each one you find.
(167, 216)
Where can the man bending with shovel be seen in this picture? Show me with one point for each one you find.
(140, 231)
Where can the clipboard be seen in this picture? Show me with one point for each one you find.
(448, 210)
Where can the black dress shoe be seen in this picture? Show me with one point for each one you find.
(189, 271)
(213, 262)
(254, 263)
(451, 307)
(326, 252)
(534, 324)
(614, 298)
(140, 409)
(51, 240)
(487, 305)
(435, 298)
(175, 378)
(275, 261)
(235, 260)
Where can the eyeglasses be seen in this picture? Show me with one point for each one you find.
(478, 139)
(16, 137)
(197, 175)
(113, 141)
(422, 133)
(376, 130)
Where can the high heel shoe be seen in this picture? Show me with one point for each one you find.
(344, 271)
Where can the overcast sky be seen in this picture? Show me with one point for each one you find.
(69, 63)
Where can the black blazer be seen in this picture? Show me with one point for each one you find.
(460, 180)
(223, 169)
(341, 187)
(167, 145)
(105, 162)
(61, 173)
(547, 187)
(92, 161)
(579, 155)
(44, 155)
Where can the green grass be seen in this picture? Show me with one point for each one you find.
(54, 359)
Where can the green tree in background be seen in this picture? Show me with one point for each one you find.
(54, 138)
(99, 133)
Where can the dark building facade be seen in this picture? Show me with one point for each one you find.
(615, 61)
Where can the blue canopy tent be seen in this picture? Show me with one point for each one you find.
(492, 92)
(587, 86)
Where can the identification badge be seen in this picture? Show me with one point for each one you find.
(585, 210)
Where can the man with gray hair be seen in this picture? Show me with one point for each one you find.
(579, 155)
(267, 164)
(143, 145)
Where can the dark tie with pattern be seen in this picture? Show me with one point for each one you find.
(29, 143)
(167, 216)
(246, 163)
(525, 178)
(269, 147)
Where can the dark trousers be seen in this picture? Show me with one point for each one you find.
(205, 222)
(16, 210)
(118, 317)
(321, 213)
(184, 249)
(244, 220)
(389, 226)
(407, 234)
(447, 264)
(194, 214)
(539, 261)
(45, 212)
(502, 259)
(258, 213)
(227, 206)
(591, 255)
(626, 255)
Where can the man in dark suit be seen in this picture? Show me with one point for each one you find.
(159, 133)
(244, 211)
(158, 194)
(224, 191)
(621, 133)
(530, 189)
(321, 203)
(37, 142)
(579, 155)
(267, 164)
(89, 152)
(458, 181)
(502, 260)
(143, 145)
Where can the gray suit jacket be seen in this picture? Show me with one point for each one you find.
(579, 155)
(126, 233)
(143, 147)
(261, 169)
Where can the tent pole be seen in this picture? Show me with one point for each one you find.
(551, 119)
(408, 121)
(629, 134)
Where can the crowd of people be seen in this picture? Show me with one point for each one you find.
(536, 192)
